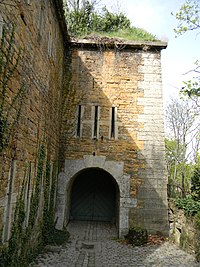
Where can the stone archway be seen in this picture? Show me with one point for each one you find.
(114, 168)
(94, 197)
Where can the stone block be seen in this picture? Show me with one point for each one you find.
(124, 186)
(128, 202)
(73, 166)
(115, 168)
(92, 161)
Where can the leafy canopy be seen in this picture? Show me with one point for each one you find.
(84, 19)
(188, 18)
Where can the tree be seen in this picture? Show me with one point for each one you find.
(83, 18)
(173, 159)
(195, 188)
(188, 18)
(181, 120)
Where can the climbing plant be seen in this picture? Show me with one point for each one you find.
(21, 248)
(13, 254)
(36, 193)
(10, 103)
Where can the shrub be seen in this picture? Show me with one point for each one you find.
(137, 236)
(58, 237)
(84, 20)
(189, 205)
(195, 188)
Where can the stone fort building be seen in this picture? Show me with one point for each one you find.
(90, 119)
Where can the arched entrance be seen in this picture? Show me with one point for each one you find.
(113, 170)
(94, 196)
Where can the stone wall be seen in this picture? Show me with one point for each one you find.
(184, 231)
(39, 35)
(127, 78)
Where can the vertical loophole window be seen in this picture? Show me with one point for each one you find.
(78, 132)
(96, 115)
(113, 126)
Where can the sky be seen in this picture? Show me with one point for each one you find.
(181, 53)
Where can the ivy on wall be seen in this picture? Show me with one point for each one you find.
(9, 111)
(21, 248)
(33, 229)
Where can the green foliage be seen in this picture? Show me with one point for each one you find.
(137, 236)
(36, 193)
(79, 21)
(189, 205)
(11, 256)
(195, 188)
(111, 22)
(49, 233)
(191, 88)
(20, 250)
(85, 20)
(197, 249)
(188, 17)
(58, 237)
(197, 217)
(173, 155)
(132, 34)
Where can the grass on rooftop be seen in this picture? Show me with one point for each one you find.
(132, 34)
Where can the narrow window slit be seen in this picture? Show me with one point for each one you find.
(113, 123)
(78, 133)
(95, 121)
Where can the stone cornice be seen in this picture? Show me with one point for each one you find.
(118, 44)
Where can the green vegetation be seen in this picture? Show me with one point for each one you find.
(83, 19)
(23, 246)
(181, 145)
(183, 165)
(137, 236)
(132, 34)
(198, 219)
(57, 237)
(189, 205)
(188, 18)
(195, 189)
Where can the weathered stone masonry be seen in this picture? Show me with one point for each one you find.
(129, 80)
(95, 107)
(39, 30)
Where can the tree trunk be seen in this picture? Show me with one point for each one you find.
(183, 180)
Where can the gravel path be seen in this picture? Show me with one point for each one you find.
(93, 244)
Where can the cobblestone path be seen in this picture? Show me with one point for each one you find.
(93, 244)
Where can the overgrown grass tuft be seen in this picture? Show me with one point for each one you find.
(132, 34)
